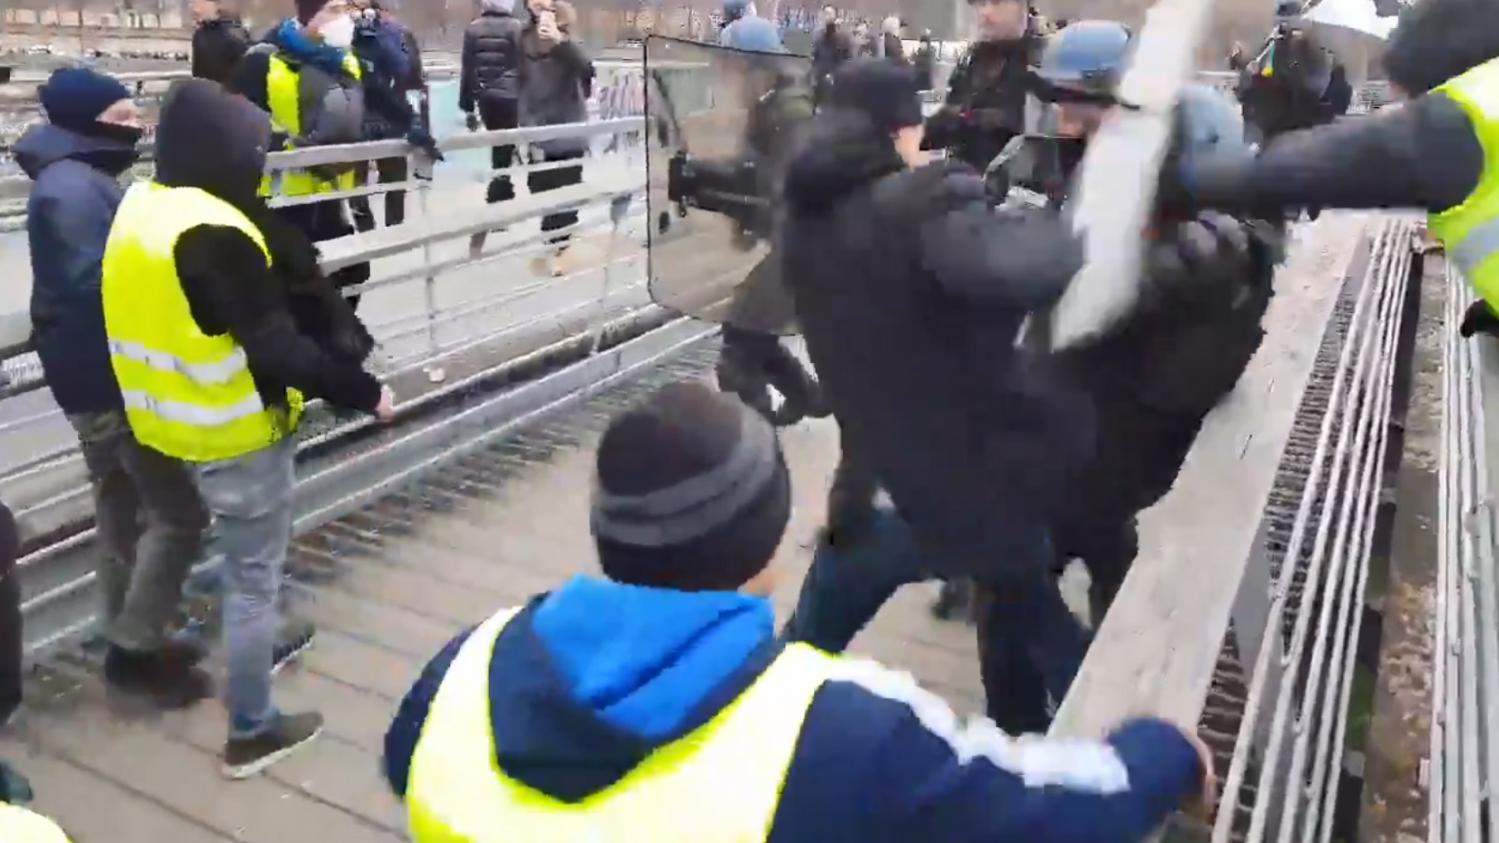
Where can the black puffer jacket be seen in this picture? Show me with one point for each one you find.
(910, 291)
(491, 59)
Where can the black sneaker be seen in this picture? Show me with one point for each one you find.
(167, 678)
(244, 757)
(295, 638)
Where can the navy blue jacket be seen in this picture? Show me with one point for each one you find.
(589, 680)
(71, 208)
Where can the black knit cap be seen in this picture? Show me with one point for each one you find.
(691, 493)
(885, 91)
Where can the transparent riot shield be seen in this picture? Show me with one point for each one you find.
(722, 124)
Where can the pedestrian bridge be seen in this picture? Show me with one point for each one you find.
(1317, 592)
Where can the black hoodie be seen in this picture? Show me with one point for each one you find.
(910, 290)
(295, 329)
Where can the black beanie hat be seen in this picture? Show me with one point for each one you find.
(308, 9)
(881, 89)
(691, 492)
(74, 97)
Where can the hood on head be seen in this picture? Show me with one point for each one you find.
(45, 144)
(497, 7)
(212, 140)
(841, 151)
(597, 675)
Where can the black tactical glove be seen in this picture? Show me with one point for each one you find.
(423, 140)
(1480, 319)
(472, 121)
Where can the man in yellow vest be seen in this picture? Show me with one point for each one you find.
(206, 295)
(307, 78)
(658, 704)
(1438, 151)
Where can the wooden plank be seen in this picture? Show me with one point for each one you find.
(1156, 650)
(76, 798)
(186, 779)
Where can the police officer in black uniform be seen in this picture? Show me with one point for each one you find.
(986, 95)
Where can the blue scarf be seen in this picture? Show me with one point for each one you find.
(293, 41)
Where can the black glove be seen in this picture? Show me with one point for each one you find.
(423, 140)
(1206, 250)
(1480, 319)
(941, 126)
(472, 120)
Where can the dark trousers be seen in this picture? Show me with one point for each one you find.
(1030, 645)
(540, 181)
(10, 642)
(388, 171)
(325, 221)
(500, 114)
(1108, 549)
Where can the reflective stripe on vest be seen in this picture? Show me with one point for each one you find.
(187, 394)
(1470, 231)
(283, 87)
(722, 782)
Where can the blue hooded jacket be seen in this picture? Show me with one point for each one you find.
(587, 681)
(69, 212)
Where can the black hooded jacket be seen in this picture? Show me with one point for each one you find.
(910, 290)
(295, 329)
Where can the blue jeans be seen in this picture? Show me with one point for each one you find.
(1030, 645)
(251, 501)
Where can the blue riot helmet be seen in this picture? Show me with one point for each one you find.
(1085, 61)
(1209, 129)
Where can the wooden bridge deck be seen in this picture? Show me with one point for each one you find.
(386, 586)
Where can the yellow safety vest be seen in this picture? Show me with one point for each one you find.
(1470, 231)
(18, 825)
(720, 783)
(187, 394)
(283, 87)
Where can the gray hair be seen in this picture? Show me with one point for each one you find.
(499, 7)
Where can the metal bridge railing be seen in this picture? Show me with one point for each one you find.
(1244, 608)
(1464, 765)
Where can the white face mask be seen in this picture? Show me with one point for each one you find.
(339, 33)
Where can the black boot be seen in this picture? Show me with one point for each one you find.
(167, 676)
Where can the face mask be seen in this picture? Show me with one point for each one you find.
(339, 34)
(128, 135)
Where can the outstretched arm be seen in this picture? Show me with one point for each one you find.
(1424, 154)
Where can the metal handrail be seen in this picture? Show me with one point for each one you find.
(1464, 756)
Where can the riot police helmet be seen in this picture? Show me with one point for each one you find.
(1209, 129)
(1085, 60)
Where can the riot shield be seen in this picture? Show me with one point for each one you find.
(722, 124)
